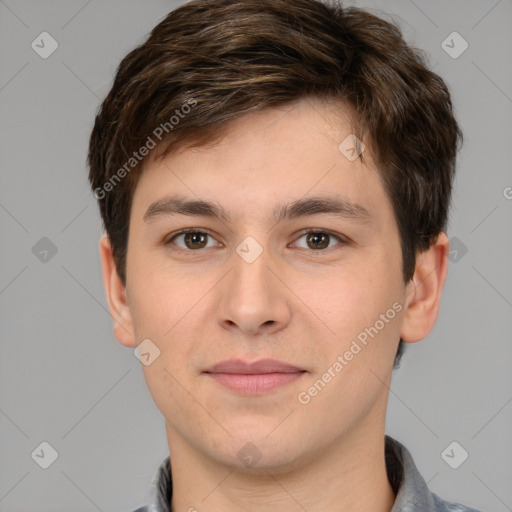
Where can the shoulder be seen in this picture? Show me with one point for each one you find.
(412, 492)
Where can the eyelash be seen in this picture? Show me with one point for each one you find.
(168, 240)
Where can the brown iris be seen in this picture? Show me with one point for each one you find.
(319, 240)
(195, 240)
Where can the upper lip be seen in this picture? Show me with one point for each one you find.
(238, 366)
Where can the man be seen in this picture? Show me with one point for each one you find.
(274, 179)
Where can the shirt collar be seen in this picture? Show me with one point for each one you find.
(411, 490)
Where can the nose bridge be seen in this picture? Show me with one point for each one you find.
(251, 274)
(252, 296)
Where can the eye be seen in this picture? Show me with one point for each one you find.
(318, 240)
(192, 238)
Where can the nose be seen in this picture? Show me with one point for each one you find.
(253, 299)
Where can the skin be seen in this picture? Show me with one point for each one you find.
(294, 303)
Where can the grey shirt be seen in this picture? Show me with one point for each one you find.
(412, 493)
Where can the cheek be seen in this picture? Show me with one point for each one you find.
(162, 296)
(361, 303)
(166, 317)
(172, 393)
(344, 298)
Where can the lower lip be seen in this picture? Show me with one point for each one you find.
(254, 384)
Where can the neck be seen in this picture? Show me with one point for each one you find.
(350, 476)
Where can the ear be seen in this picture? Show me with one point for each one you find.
(116, 296)
(423, 292)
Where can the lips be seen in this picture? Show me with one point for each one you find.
(255, 378)
(237, 366)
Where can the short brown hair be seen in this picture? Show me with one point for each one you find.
(225, 58)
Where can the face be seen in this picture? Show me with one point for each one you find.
(316, 286)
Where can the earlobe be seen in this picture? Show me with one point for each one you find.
(116, 296)
(424, 291)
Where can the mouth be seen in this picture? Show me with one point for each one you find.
(254, 378)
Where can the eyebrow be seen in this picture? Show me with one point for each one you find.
(338, 206)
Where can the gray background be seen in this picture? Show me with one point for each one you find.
(65, 380)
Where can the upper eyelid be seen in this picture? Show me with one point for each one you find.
(184, 231)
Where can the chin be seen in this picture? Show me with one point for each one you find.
(258, 453)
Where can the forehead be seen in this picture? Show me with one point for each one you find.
(263, 162)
